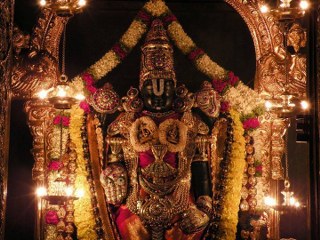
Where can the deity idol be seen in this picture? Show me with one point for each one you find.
(157, 180)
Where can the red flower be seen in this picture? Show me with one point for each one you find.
(259, 168)
(52, 217)
(168, 19)
(196, 53)
(91, 89)
(57, 120)
(233, 79)
(219, 85)
(121, 53)
(55, 165)
(85, 106)
(65, 121)
(251, 123)
(144, 17)
(224, 107)
(88, 78)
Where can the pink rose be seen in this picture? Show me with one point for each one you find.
(251, 123)
(233, 79)
(85, 106)
(55, 165)
(224, 106)
(57, 120)
(219, 85)
(65, 121)
(52, 217)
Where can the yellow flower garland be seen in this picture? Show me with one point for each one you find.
(135, 32)
(180, 38)
(83, 217)
(156, 7)
(229, 215)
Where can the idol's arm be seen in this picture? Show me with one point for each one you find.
(114, 177)
(201, 185)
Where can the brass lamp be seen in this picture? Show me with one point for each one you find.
(64, 8)
(62, 96)
(285, 11)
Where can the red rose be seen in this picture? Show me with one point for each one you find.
(65, 121)
(196, 53)
(224, 107)
(251, 123)
(55, 165)
(88, 78)
(85, 106)
(233, 79)
(91, 89)
(57, 120)
(52, 217)
(219, 85)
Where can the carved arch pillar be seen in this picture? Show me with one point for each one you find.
(6, 27)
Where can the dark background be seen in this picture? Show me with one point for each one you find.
(213, 25)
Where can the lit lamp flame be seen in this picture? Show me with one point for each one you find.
(41, 191)
(79, 193)
(42, 3)
(270, 201)
(69, 191)
(268, 105)
(304, 105)
(62, 91)
(79, 97)
(82, 3)
(43, 94)
(304, 5)
(264, 8)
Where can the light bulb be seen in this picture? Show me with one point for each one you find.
(41, 191)
(304, 5)
(264, 8)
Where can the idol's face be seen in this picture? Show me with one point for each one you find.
(158, 94)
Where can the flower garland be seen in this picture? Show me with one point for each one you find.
(229, 217)
(135, 32)
(234, 94)
(57, 137)
(232, 181)
(83, 217)
(239, 96)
